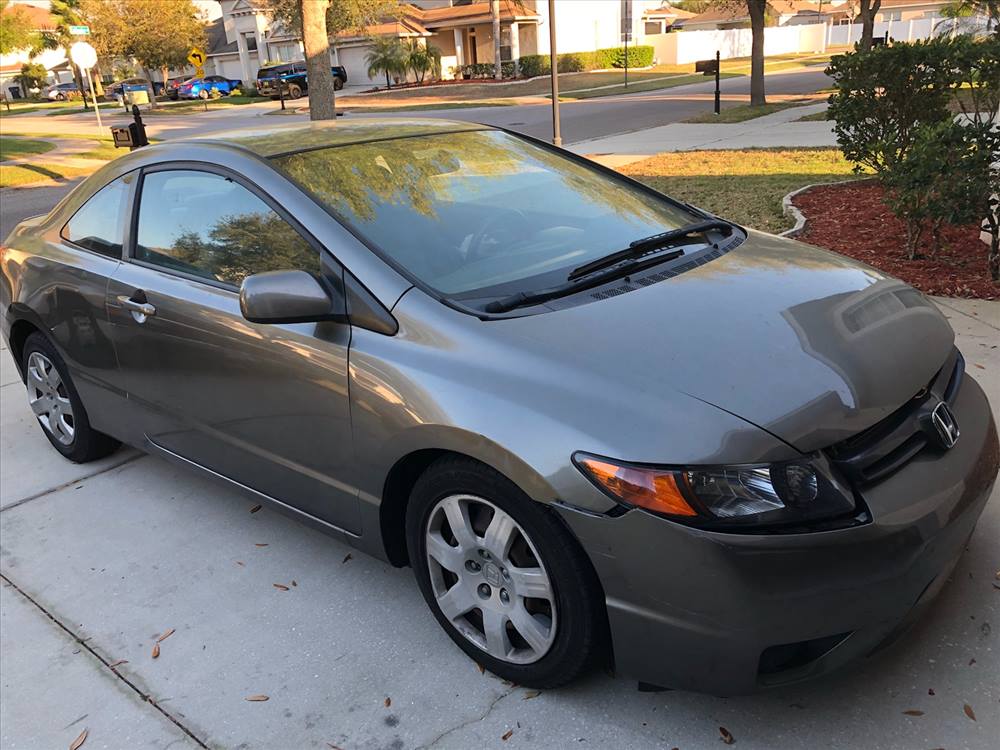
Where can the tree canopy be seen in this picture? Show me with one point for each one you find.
(17, 32)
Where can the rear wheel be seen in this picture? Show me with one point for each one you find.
(203, 94)
(337, 84)
(502, 576)
(294, 92)
(57, 406)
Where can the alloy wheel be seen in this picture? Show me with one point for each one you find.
(49, 399)
(488, 579)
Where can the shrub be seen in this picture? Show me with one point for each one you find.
(639, 56)
(894, 111)
(576, 62)
(534, 65)
(487, 70)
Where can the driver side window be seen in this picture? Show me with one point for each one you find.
(207, 225)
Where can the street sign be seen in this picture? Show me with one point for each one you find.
(83, 55)
(79, 30)
(196, 57)
(199, 72)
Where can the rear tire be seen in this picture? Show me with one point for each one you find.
(57, 405)
(521, 597)
(294, 92)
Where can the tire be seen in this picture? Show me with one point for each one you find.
(294, 92)
(65, 422)
(203, 94)
(337, 84)
(61, 97)
(565, 624)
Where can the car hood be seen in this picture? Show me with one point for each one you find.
(809, 345)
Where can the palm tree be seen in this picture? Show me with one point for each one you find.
(386, 55)
(423, 59)
(964, 9)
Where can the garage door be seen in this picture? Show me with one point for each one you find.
(353, 60)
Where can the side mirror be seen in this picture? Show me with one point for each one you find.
(289, 297)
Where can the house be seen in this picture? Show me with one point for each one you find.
(794, 12)
(246, 38)
(54, 60)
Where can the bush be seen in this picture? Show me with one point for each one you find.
(487, 70)
(576, 62)
(894, 111)
(639, 56)
(534, 65)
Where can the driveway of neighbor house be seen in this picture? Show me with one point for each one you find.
(99, 560)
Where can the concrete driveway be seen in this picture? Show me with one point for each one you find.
(98, 561)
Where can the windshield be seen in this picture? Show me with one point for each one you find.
(479, 213)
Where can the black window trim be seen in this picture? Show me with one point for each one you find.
(324, 254)
(127, 219)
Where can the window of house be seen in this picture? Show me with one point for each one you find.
(654, 27)
(99, 224)
(210, 226)
(505, 44)
(251, 41)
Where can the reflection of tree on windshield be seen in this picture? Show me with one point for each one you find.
(353, 180)
(239, 246)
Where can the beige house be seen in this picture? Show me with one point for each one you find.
(245, 38)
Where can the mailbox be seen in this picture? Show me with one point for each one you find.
(708, 67)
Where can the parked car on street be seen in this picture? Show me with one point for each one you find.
(174, 84)
(293, 78)
(201, 88)
(604, 427)
(62, 91)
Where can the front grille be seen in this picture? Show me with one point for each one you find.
(887, 446)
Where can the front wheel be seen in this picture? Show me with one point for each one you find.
(502, 576)
(203, 94)
(57, 405)
(294, 92)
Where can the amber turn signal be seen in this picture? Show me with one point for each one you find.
(653, 489)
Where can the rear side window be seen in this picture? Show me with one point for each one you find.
(207, 225)
(99, 224)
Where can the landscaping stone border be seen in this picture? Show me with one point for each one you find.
(789, 209)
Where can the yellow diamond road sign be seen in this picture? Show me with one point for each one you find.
(196, 57)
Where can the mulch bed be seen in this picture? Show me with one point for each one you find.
(853, 220)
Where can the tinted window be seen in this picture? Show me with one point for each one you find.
(480, 212)
(210, 226)
(99, 224)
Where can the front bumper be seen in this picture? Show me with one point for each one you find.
(731, 613)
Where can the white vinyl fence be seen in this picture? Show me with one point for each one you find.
(688, 46)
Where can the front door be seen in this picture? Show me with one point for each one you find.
(264, 405)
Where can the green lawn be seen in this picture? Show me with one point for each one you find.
(746, 186)
(45, 107)
(12, 175)
(744, 112)
(12, 148)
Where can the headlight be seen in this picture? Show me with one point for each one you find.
(726, 497)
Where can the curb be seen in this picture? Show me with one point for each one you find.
(789, 209)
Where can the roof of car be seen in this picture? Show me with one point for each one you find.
(289, 138)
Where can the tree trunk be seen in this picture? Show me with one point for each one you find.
(757, 9)
(152, 91)
(317, 46)
(993, 258)
(497, 63)
(914, 229)
(165, 74)
(867, 10)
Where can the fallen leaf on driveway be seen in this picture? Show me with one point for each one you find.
(260, 544)
(482, 669)
(118, 663)
(258, 698)
(506, 735)
(241, 563)
(349, 556)
(726, 736)
(79, 740)
(294, 583)
(166, 635)
(930, 691)
(255, 508)
(156, 650)
(913, 712)
(280, 586)
(979, 366)
(388, 701)
(531, 694)
(969, 712)
(971, 662)
(332, 746)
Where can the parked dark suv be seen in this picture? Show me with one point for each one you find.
(293, 78)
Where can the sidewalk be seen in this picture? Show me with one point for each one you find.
(779, 129)
(65, 154)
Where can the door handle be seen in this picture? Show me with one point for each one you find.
(143, 309)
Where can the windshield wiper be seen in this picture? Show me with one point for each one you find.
(649, 244)
(522, 299)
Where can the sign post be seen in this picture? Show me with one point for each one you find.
(554, 74)
(708, 67)
(84, 57)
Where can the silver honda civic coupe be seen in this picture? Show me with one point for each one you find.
(604, 427)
